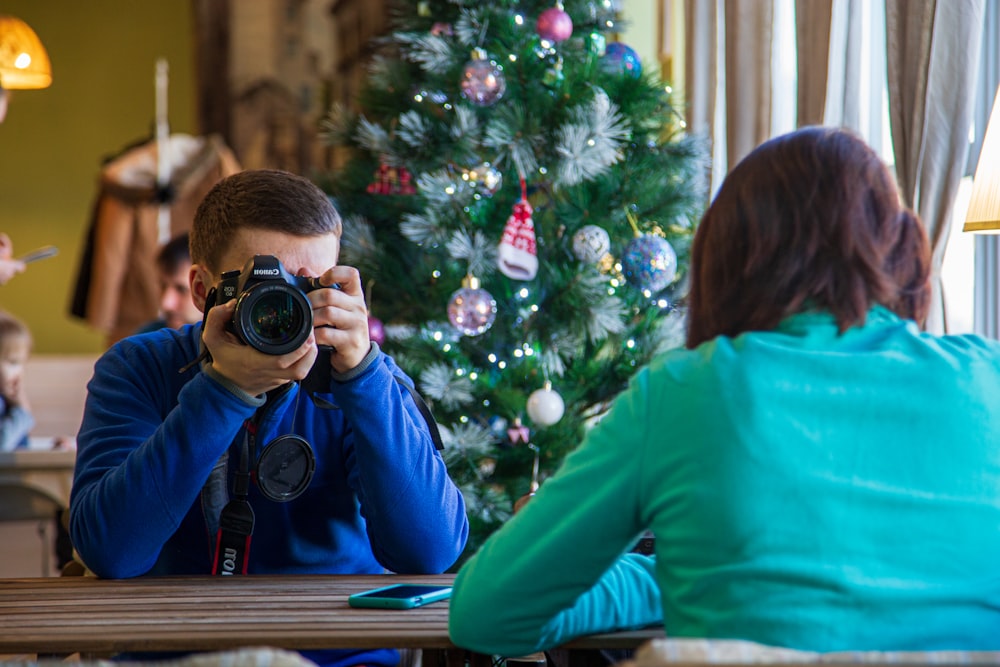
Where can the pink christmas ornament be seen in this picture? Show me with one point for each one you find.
(517, 255)
(518, 434)
(554, 24)
(483, 81)
(439, 29)
(376, 330)
(471, 309)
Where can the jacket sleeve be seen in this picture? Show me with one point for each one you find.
(15, 425)
(146, 446)
(556, 570)
(415, 515)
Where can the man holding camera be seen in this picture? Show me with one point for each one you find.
(195, 439)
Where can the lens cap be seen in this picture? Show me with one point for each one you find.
(285, 468)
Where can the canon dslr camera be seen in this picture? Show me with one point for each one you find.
(272, 312)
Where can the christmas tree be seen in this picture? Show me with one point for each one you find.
(519, 197)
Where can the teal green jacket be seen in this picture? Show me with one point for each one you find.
(806, 488)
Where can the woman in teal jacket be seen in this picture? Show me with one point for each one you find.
(818, 472)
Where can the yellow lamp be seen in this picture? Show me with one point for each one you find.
(24, 64)
(984, 207)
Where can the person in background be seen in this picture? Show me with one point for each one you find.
(16, 420)
(9, 267)
(819, 473)
(173, 264)
(169, 464)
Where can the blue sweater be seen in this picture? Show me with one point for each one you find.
(381, 498)
(15, 426)
(806, 488)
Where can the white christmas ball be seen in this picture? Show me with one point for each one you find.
(591, 243)
(545, 407)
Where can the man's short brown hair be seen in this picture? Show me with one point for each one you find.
(266, 199)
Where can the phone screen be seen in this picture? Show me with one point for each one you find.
(402, 592)
(400, 596)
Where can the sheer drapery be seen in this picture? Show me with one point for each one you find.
(728, 76)
(700, 64)
(748, 30)
(702, 79)
(987, 272)
(932, 60)
(813, 20)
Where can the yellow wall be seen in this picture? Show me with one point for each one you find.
(52, 143)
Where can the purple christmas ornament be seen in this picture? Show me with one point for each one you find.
(554, 24)
(376, 330)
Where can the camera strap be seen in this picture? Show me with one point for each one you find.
(232, 543)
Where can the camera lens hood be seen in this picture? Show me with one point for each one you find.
(273, 317)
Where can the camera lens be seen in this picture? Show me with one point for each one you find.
(274, 318)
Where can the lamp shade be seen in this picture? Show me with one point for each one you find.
(24, 64)
(984, 207)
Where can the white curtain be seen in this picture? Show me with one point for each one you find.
(703, 78)
(987, 271)
(932, 51)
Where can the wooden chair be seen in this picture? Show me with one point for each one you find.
(27, 503)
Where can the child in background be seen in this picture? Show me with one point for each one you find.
(16, 420)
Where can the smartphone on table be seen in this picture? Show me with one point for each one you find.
(400, 596)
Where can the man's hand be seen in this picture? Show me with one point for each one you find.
(341, 318)
(252, 371)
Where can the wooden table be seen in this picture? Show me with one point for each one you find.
(66, 615)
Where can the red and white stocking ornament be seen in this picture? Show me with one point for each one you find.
(517, 255)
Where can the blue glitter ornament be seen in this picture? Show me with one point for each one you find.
(620, 58)
(650, 262)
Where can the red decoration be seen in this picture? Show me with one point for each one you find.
(517, 255)
(391, 180)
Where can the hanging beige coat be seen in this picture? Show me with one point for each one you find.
(117, 285)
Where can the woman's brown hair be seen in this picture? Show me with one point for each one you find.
(810, 219)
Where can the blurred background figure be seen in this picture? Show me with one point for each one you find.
(173, 264)
(16, 420)
(9, 267)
